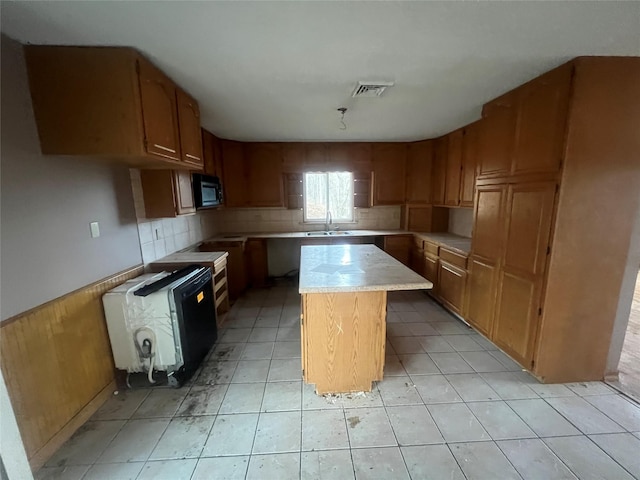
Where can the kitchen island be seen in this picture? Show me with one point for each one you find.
(344, 309)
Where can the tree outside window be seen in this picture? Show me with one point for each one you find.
(328, 192)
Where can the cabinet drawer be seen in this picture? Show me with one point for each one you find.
(430, 247)
(453, 258)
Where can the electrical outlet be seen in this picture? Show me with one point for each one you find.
(95, 229)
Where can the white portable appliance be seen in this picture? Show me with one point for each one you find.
(170, 328)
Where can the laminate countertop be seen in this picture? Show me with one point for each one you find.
(354, 268)
(231, 237)
(192, 257)
(448, 240)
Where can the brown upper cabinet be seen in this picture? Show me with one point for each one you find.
(111, 102)
(497, 132)
(190, 134)
(389, 173)
(211, 154)
(469, 152)
(419, 160)
(167, 193)
(252, 174)
(234, 181)
(542, 115)
(159, 112)
(522, 132)
(453, 170)
(309, 157)
(439, 170)
(264, 174)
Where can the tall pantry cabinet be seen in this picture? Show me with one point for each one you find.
(558, 181)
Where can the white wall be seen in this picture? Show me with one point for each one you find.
(47, 203)
(461, 221)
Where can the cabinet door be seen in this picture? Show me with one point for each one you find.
(419, 159)
(190, 135)
(258, 268)
(542, 115)
(316, 157)
(529, 213)
(234, 174)
(349, 157)
(208, 155)
(167, 193)
(264, 167)
(439, 171)
(488, 223)
(293, 191)
(159, 112)
(469, 152)
(158, 192)
(293, 157)
(496, 135)
(236, 264)
(183, 192)
(389, 173)
(454, 169)
(431, 270)
(362, 197)
(481, 294)
(416, 259)
(211, 154)
(451, 284)
(398, 246)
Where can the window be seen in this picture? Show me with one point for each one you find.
(328, 192)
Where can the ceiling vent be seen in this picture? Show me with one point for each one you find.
(370, 89)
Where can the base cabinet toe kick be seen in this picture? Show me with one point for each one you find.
(344, 309)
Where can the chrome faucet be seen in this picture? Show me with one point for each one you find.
(328, 221)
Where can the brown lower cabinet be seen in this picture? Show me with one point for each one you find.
(416, 256)
(257, 263)
(446, 269)
(237, 279)
(399, 247)
(481, 294)
(452, 278)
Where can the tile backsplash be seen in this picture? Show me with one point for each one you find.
(461, 221)
(240, 220)
(162, 236)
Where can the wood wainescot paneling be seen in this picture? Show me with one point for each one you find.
(56, 358)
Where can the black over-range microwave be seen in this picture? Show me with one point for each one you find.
(207, 191)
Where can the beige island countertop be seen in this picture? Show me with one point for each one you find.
(354, 268)
(344, 312)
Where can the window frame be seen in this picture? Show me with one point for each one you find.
(305, 219)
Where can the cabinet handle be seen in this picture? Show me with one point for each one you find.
(192, 157)
(164, 148)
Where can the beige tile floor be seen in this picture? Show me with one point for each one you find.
(451, 406)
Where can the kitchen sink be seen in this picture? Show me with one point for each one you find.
(331, 233)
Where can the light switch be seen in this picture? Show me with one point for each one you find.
(95, 229)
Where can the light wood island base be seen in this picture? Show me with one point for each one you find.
(343, 340)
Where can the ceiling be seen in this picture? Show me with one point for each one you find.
(279, 70)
